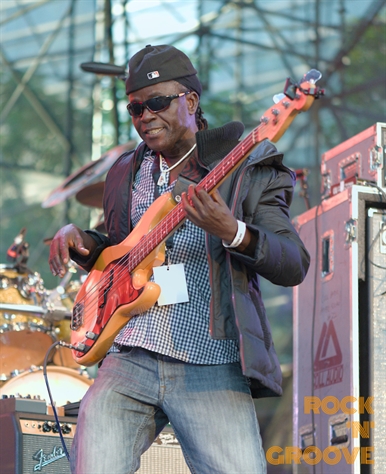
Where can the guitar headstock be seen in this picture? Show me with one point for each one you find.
(297, 97)
(306, 85)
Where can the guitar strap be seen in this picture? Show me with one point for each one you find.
(192, 173)
(212, 146)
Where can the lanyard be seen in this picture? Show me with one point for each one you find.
(155, 171)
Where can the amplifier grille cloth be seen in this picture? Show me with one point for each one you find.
(33, 444)
(163, 460)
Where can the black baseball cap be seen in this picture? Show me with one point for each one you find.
(155, 64)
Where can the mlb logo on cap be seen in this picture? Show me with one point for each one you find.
(153, 75)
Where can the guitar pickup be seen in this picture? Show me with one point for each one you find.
(77, 317)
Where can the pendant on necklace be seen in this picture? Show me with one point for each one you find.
(161, 180)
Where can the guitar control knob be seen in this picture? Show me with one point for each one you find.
(91, 335)
(66, 428)
(47, 426)
(81, 347)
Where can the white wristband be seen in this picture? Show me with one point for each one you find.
(241, 229)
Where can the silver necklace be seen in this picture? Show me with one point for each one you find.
(162, 178)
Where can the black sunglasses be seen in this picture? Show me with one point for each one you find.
(155, 105)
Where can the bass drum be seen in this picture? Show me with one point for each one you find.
(25, 336)
(66, 385)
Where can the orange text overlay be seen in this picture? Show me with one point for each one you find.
(313, 455)
(331, 405)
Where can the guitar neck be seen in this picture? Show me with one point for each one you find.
(273, 124)
(176, 216)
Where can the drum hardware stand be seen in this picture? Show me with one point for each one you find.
(56, 294)
(50, 304)
(18, 252)
(16, 249)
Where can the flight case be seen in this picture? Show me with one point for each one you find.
(360, 159)
(340, 337)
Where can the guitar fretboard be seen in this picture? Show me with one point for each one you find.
(175, 217)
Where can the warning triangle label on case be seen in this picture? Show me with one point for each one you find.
(328, 365)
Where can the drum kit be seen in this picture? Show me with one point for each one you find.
(32, 317)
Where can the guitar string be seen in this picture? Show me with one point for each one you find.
(237, 154)
(256, 130)
(139, 250)
(230, 157)
(143, 249)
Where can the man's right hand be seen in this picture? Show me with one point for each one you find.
(69, 236)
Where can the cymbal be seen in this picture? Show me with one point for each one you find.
(92, 195)
(86, 175)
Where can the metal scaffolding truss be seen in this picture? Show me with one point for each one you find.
(43, 41)
(243, 50)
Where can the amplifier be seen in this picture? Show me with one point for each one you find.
(30, 443)
(164, 456)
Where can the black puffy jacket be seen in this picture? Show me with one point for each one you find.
(259, 193)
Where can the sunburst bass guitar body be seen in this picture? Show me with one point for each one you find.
(112, 294)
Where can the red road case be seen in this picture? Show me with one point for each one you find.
(360, 159)
(340, 337)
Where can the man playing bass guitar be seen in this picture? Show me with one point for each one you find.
(199, 352)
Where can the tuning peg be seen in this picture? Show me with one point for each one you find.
(313, 76)
(278, 97)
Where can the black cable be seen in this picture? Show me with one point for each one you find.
(313, 324)
(63, 344)
(374, 185)
(382, 199)
(371, 246)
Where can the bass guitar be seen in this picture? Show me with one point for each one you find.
(118, 287)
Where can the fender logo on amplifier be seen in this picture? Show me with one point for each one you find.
(45, 459)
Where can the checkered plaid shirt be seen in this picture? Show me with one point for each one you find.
(180, 330)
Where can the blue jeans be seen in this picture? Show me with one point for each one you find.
(137, 392)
